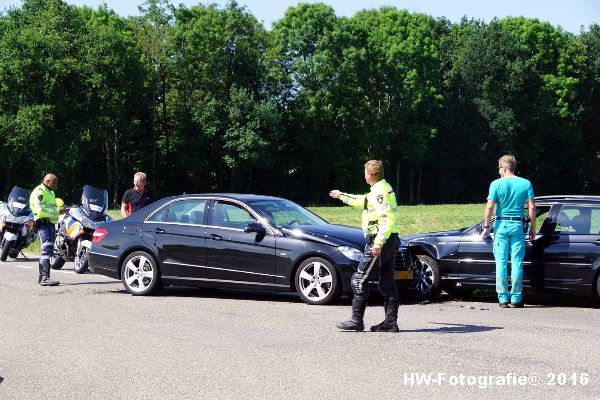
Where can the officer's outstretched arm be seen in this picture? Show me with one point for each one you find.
(353, 200)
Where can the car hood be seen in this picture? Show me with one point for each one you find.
(334, 235)
(419, 236)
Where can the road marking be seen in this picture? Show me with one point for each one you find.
(23, 266)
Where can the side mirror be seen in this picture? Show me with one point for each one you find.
(255, 227)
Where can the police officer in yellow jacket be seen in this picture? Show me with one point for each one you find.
(45, 210)
(379, 224)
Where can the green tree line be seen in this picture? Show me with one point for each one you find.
(205, 99)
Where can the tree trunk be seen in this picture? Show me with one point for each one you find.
(231, 180)
(249, 179)
(164, 115)
(116, 168)
(7, 181)
(419, 179)
(455, 200)
(108, 165)
(411, 175)
(397, 177)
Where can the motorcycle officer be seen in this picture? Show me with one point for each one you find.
(45, 207)
(379, 223)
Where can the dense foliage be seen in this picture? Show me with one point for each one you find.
(206, 99)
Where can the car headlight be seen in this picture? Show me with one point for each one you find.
(351, 253)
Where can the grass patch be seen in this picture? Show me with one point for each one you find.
(413, 219)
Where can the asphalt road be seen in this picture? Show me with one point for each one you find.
(89, 339)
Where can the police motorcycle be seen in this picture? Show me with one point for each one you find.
(16, 223)
(74, 230)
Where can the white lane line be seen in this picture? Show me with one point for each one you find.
(23, 266)
(64, 272)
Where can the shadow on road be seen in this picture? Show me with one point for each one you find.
(90, 283)
(453, 328)
(532, 300)
(234, 294)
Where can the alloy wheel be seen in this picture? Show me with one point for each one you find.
(138, 273)
(315, 281)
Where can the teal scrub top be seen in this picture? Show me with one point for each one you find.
(510, 195)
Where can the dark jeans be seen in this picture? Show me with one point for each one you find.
(368, 268)
(46, 232)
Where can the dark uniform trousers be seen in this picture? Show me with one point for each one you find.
(46, 232)
(368, 268)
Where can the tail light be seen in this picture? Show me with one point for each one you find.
(99, 235)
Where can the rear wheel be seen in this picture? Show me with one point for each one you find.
(598, 288)
(428, 277)
(317, 281)
(56, 260)
(139, 274)
(6, 247)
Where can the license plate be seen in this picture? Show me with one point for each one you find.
(401, 275)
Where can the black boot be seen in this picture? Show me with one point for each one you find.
(352, 325)
(46, 281)
(358, 311)
(389, 324)
(45, 275)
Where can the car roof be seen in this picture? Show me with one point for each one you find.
(569, 198)
(233, 196)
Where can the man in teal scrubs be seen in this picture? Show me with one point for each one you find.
(509, 194)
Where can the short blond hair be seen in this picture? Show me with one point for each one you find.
(508, 161)
(139, 176)
(375, 169)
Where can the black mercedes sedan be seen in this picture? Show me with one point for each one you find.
(564, 257)
(230, 240)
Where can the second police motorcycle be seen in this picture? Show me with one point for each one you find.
(74, 231)
(16, 224)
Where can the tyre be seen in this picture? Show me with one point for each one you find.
(80, 264)
(317, 281)
(56, 260)
(139, 274)
(427, 272)
(6, 247)
(598, 289)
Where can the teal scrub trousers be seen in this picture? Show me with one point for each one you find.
(509, 237)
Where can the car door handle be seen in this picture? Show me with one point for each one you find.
(597, 242)
(213, 236)
(159, 230)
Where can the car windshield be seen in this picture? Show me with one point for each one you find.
(281, 212)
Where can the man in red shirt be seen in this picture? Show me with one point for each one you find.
(136, 198)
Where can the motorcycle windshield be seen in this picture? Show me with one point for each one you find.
(94, 202)
(18, 202)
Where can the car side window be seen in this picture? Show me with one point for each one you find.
(578, 220)
(595, 223)
(228, 215)
(189, 211)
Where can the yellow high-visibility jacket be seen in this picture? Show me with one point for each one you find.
(380, 211)
(43, 204)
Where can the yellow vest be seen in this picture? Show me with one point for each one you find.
(380, 211)
(43, 204)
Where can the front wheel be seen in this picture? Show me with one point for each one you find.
(140, 274)
(428, 278)
(6, 247)
(80, 264)
(317, 281)
(56, 260)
